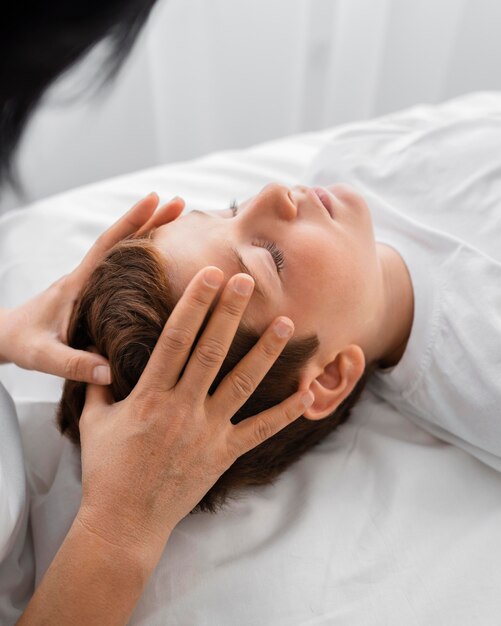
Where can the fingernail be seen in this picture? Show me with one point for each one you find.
(308, 399)
(213, 277)
(102, 375)
(283, 329)
(243, 285)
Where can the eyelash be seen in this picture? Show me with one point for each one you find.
(274, 250)
(271, 246)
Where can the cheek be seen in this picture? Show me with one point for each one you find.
(314, 268)
(329, 276)
(317, 258)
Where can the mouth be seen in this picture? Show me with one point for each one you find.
(324, 197)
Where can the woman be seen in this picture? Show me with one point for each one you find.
(119, 534)
(96, 578)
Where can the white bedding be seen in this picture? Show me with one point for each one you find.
(381, 524)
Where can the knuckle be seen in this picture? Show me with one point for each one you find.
(269, 350)
(211, 352)
(178, 339)
(33, 355)
(73, 367)
(234, 449)
(291, 413)
(147, 405)
(242, 385)
(142, 401)
(199, 300)
(231, 309)
(263, 430)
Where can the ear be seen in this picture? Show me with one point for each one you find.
(336, 381)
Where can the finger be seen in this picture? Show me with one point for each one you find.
(163, 215)
(252, 431)
(128, 224)
(213, 345)
(176, 340)
(239, 384)
(98, 399)
(72, 364)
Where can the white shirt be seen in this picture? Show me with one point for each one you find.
(16, 554)
(445, 222)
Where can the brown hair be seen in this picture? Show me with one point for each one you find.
(122, 311)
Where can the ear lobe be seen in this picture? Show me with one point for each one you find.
(336, 382)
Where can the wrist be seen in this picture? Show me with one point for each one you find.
(132, 543)
(91, 580)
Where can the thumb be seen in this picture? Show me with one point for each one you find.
(77, 365)
(97, 397)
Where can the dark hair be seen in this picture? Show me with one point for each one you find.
(40, 40)
(122, 311)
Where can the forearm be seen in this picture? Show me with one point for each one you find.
(91, 581)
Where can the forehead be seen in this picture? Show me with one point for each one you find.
(192, 242)
(185, 243)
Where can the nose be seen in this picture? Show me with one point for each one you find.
(275, 200)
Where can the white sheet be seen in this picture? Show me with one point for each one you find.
(380, 524)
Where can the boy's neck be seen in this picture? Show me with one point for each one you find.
(394, 327)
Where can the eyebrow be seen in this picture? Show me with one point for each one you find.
(241, 263)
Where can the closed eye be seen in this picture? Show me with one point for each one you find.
(277, 254)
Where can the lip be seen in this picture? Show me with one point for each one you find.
(325, 199)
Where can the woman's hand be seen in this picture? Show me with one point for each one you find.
(34, 335)
(149, 459)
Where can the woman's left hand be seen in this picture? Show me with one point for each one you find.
(34, 335)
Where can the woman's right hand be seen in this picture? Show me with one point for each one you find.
(34, 334)
(149, 459)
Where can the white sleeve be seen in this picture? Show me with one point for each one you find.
(16, 553)
(449, 378)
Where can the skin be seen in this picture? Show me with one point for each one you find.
(337, 282)
(130, 500)
(120, 531)
(33, 335)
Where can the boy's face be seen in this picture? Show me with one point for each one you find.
(330, 275)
